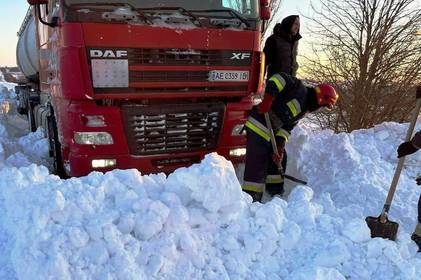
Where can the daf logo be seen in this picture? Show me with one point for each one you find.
(107, 53)
(240, 56)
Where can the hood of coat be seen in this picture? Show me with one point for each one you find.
(283, 29)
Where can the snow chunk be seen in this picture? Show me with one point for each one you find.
(357, 230)
(215, 177)
(316, 273)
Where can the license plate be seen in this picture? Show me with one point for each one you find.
(228, 76)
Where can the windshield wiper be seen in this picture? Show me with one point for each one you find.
(94, 6)
(182, 11)
(230, 11)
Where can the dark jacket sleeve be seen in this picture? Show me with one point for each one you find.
(270, 50)
(416, 140)
(294, 59)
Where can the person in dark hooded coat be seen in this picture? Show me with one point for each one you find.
(282, 46)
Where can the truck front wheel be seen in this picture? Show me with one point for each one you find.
(55, 146)
(21, 108)
(31, 116)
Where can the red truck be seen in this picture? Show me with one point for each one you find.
(152, 85)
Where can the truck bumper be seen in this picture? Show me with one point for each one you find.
(81, 165)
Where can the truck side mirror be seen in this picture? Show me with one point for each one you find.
(37, 2)
(265, 11)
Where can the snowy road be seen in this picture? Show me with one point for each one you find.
(197, 224)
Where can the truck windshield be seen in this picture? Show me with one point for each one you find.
(244, 8)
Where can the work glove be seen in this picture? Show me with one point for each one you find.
(277, 158)
(405, 149)
(265, 105)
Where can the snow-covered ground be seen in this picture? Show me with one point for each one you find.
(197, 224)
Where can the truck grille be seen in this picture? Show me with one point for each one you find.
(158, 129)
(167, 70)
(168, 76)
(182, 89)
(185, 57)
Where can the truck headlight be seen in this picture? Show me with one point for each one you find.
(93, 138)
(238, 130)
(103, 163)
(239, 152)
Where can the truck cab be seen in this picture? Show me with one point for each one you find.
(151, 85)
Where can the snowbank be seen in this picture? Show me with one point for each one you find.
(197, 224)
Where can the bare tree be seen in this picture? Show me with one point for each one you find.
(370, 51)
(274, 6)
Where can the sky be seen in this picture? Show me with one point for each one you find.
(12, 13)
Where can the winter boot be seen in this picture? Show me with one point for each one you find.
(275, 188)
(257, 196)
(416, 236)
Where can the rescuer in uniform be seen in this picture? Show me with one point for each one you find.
(287, 101)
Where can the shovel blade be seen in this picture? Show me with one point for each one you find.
(387, 230)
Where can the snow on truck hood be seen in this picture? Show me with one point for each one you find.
(197, 224)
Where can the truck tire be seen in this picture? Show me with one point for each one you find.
(21, 108)
(31, 116)
(55, 146)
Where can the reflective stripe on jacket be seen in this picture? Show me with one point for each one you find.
(261, 129)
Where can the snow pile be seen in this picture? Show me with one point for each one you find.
(17, 147)
(121, 224)
(6, 88)
(356, 169)
(197, 224)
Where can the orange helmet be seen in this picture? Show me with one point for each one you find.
(326, 95)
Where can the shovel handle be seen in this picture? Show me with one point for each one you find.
(295, 179)
(386, 207)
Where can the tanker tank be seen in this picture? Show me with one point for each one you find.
(27, 52)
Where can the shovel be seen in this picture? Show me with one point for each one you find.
(276, 152)
(381, 226)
